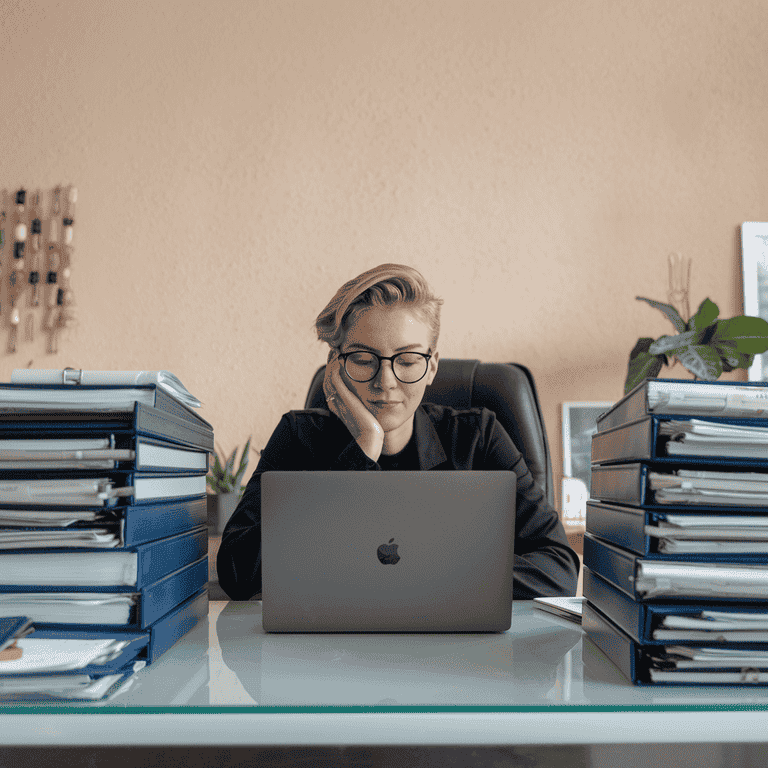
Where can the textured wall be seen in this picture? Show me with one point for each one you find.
(238, 160)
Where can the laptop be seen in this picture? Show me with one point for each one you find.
(396, 551)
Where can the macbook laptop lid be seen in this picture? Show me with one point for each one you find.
(396, 551)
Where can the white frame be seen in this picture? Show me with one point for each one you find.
(754, 261)
(575, 487)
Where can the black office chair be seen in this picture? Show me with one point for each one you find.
(507, 389)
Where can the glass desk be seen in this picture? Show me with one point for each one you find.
(543, 682)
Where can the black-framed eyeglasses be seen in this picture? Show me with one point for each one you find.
(408, 367)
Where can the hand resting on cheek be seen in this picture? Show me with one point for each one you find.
(345, 404)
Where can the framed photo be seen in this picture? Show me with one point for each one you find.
(579, 424)
(754, 261)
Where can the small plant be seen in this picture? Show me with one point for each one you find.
(705, 345)
(222, 478)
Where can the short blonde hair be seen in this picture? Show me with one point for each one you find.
(384, 286)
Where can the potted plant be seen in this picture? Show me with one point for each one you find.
(226, 486)
(705, 345)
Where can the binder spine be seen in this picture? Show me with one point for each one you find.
(172, 590)
(616, 605)
(633, 406)
(613, 564)
(169, 426)
(636, 441)
(159, 558)
(617, 646)
(141, 523)
(167, 630)
(623, 526)
(623, 483)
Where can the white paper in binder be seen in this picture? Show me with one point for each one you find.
(163, 379)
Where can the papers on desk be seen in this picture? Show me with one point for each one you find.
(565, 607)
(69, 686)
(714, 626)
(710, 534)
(77, 453)
(85, 492)
(81, 569)
(71, 491)
(695, 437)
(691, 486)
(682, 397)
(61, 655)
(48, 518)
(660, 578)
(675, 663)
(70, 607)
(100, 538)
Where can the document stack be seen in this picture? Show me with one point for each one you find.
(676, 544)
(103, 536)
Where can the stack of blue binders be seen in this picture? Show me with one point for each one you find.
(103, 522)
(676, 544)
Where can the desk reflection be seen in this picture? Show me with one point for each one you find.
(539, 663)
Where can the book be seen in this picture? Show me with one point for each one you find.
(148, 411)
(134, 452)
(650, 533)
(125, 526)
(728, 399)
(45, 656)
(69, 687)
(135, 488)
(659, 623)
(165, 380)
(660, 439)
(568, 608)
(141, 565)
(693, 578)
(672, 664)
(70, 607)
(122, 649)
(644, 485)
(164, 629)
(115, 610)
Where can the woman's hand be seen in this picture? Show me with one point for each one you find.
(345, 403)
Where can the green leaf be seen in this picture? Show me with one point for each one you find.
(243, 464)
(674, 345)
(641, 367)
(230, 464)
(743, 333)
(703, 362)
(705, 315)
(731, 358)
(672, 314)
(641, 346)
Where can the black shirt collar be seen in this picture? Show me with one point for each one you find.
(428, 445)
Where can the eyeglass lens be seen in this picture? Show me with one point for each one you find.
(408, 367)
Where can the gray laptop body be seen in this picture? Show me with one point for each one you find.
(446, 540)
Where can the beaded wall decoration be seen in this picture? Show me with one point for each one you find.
(38, 264)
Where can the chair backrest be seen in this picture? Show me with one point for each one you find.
(507, 389)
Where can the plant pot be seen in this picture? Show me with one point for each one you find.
(220, 509)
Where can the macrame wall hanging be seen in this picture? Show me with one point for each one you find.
(36, 234)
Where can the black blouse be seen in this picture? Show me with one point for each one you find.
(443, 438)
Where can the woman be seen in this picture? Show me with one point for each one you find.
(382, 328)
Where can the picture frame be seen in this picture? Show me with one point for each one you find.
(579, 424)
(754, 261)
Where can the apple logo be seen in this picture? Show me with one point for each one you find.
(388, 553)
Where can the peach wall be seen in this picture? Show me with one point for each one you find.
(238, 160)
